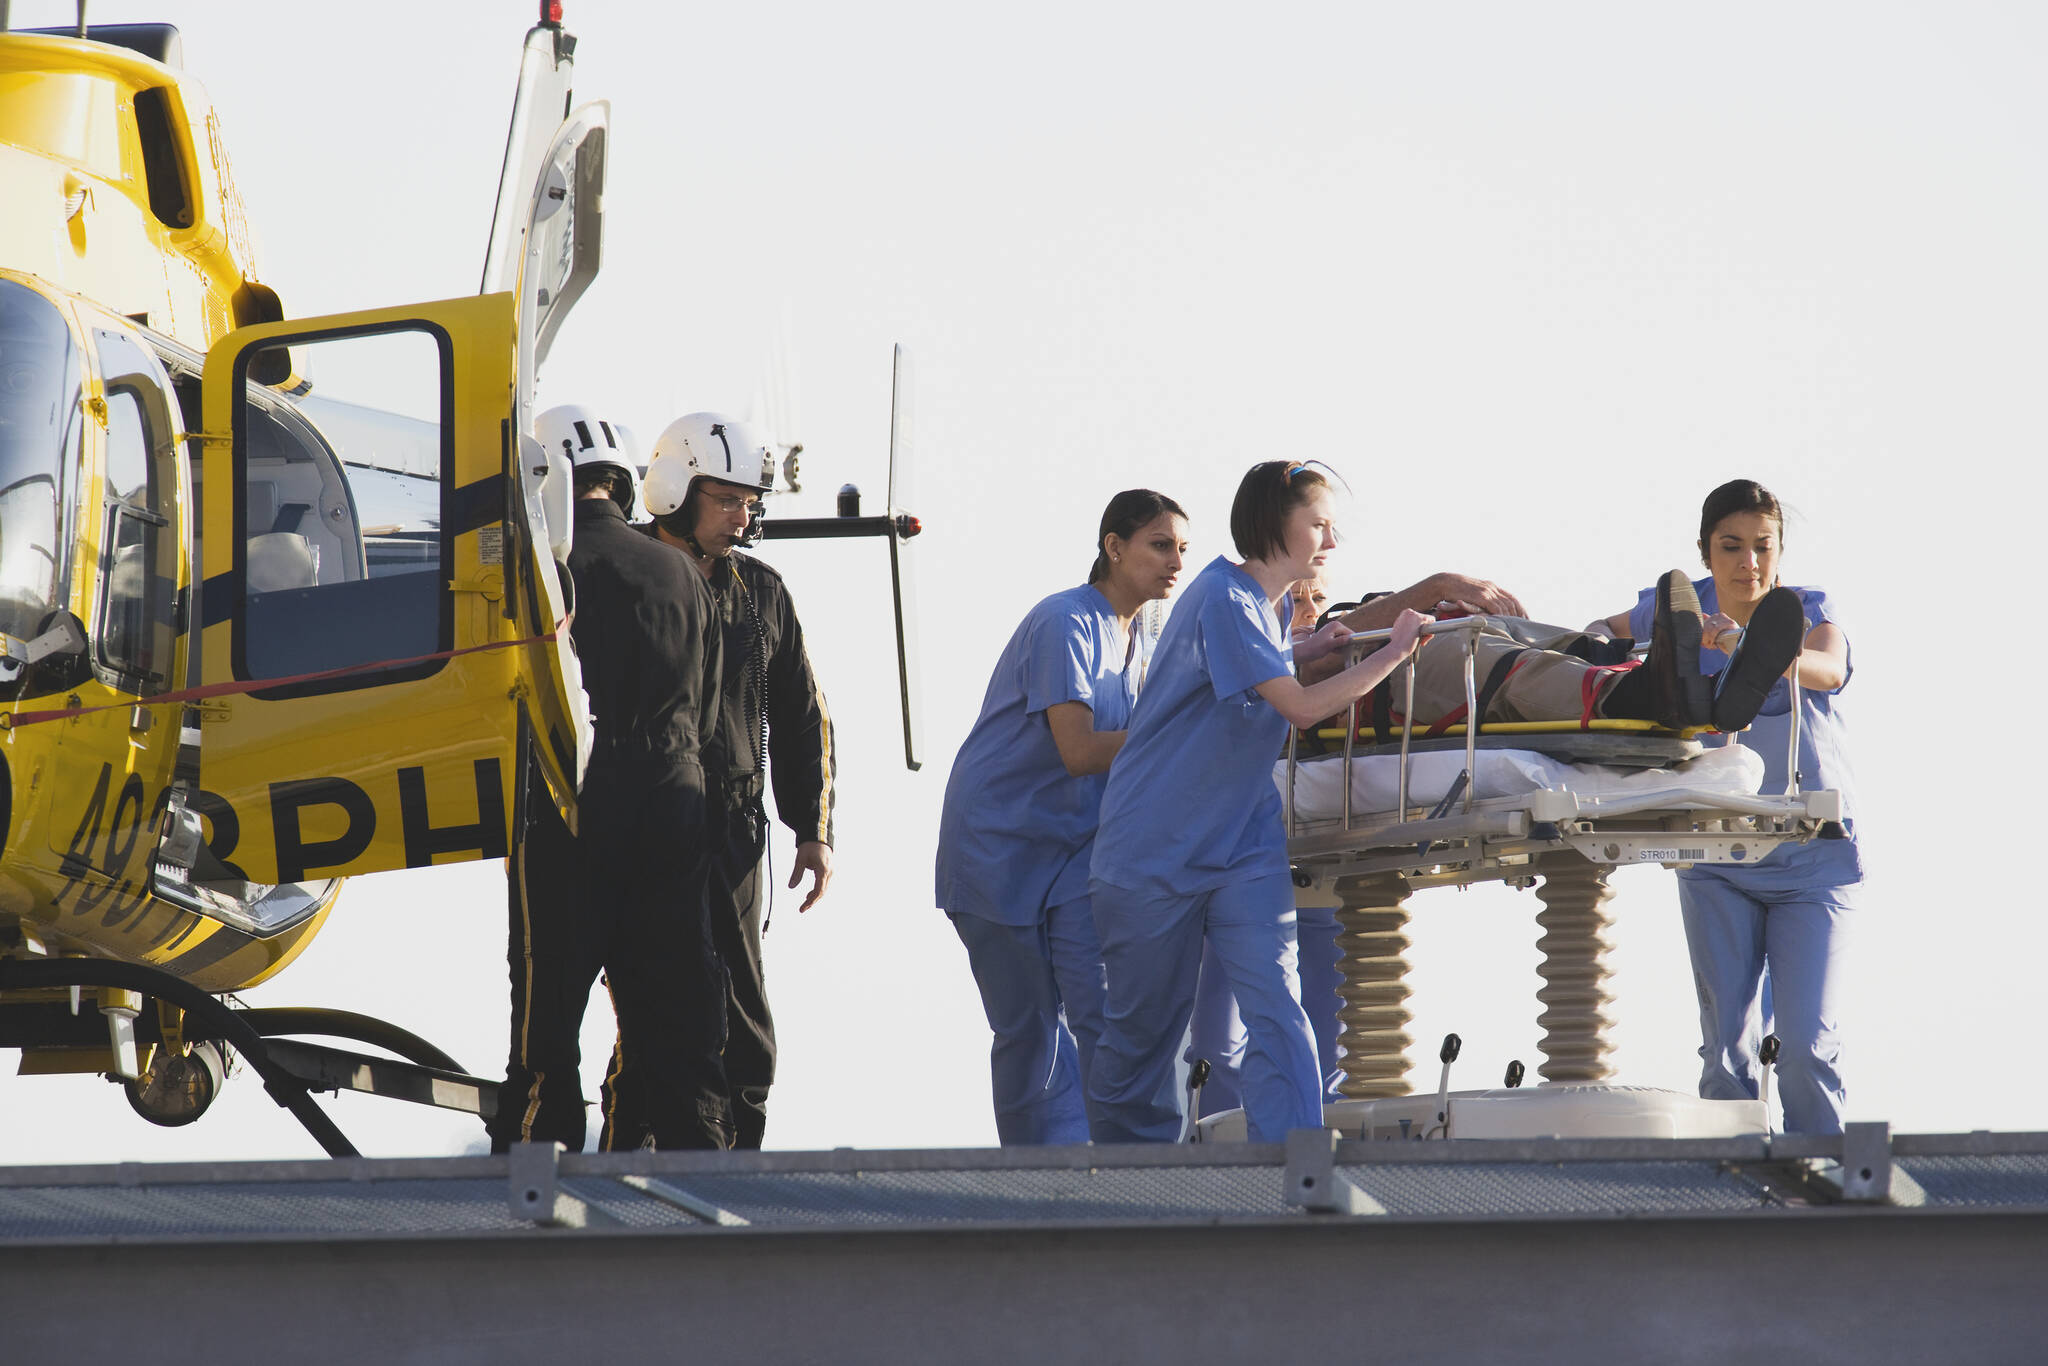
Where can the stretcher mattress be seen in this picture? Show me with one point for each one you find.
(1319, 783)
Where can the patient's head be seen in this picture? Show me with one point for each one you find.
(1285, 516)
(1138, 547)
(1311, 596)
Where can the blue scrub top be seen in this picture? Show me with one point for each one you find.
(1823, 758)
(1017, 827)
(1191, 803)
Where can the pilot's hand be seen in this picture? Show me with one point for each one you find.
(1475, 595)
(1713, 626)
(813, 857)
(1406, 631)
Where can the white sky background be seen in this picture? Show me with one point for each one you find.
(1535, 278)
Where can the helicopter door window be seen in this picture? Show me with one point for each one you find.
(343, 560)
(138, 559)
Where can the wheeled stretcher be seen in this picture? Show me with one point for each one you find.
(1549, 805)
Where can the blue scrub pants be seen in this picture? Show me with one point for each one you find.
(1218, 1030)
(1041, 988)
(1152, 949)
(1768, 962)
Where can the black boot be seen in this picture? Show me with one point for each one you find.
(1668, 688)
(1682, 697)
(1771, 641)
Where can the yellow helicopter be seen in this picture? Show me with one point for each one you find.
(256, 636)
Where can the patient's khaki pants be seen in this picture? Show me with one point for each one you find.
(1546, 685)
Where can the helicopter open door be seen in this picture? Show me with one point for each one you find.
(560, 252)
(372, 667)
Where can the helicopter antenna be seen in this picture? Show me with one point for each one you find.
(81, 19)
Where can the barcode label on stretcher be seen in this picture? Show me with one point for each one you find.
(1669, 854)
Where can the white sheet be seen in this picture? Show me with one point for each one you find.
(1319, 792)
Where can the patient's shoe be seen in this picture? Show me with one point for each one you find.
(1771, 641)
(1668, 688)
(1683, 697)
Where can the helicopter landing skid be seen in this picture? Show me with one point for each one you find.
(290, 1068)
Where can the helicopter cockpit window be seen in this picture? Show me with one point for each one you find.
(39, 436)
(138, 565)
(343, 562)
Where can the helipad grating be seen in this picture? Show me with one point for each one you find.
(1530, 1188)
(2002, 1180)
(267, 1208)
(628, 1206)
(900, 1197)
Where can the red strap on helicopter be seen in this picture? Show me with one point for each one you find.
(16, 720)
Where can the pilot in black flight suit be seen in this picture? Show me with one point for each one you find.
(628, 894)
(705, 480)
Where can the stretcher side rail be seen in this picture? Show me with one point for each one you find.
(1467, 627)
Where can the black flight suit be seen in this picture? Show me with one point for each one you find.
(768, 686)
(628, 895)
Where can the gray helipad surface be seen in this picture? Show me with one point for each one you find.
(1557, 1250)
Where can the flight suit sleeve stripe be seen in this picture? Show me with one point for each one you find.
(525, 1003)
(824, 767)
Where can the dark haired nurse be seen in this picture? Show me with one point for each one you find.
(1020, 813)
(1191, 846)
(1766, 938)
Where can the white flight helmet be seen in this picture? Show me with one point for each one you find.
(707, 446)
(588, 441)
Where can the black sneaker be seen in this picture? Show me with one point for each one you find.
(1768, 646)
(1683, 698)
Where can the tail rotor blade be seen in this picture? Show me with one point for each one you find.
(902, 577)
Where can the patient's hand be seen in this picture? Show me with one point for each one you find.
(1475, 595)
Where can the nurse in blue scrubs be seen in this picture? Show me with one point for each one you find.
(1191, 848)
(1020, 814)
(1767, 939)
(1217, 1032)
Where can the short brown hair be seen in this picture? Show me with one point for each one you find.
(1265, 497)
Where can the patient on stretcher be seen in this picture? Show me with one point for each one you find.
(1528, 671)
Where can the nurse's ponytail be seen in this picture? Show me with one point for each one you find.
(1126, 514)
